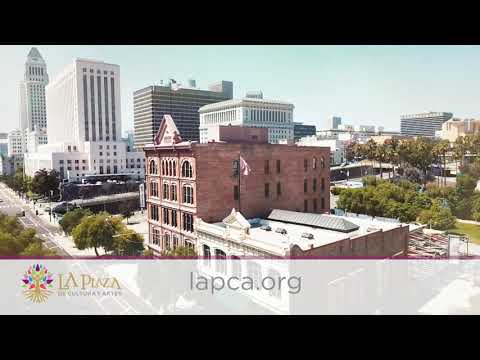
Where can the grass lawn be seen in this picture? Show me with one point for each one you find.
(471, 230)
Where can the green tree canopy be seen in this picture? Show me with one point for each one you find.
(45, 181)
(72, 218)
(18, 241)
(439, 217)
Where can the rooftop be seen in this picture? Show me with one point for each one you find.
(242, 102)
(326, 229)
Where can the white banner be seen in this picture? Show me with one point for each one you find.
(246, 286)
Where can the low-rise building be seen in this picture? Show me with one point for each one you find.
(276, 116)
(187, 180)
(337, 147)
(285, 233)
(301, 130)
(454, 128)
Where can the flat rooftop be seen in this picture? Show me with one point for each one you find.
(278, 243)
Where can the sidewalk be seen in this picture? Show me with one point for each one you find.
(138, 222)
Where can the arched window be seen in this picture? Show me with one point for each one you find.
(187, 192)
(167, 241)
(314, 163)
(187, 169)
(153, 167)
(322, 162)
(174, 168)
(163, 167)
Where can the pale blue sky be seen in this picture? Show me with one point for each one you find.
(363, 84)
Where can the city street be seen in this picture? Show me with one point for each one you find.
(11, 205)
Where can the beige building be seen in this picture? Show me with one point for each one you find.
(455, 127)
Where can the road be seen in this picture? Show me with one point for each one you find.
(11, 205)
(128, 303)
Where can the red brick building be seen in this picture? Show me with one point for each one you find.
(186, 180)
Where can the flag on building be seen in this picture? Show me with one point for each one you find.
(244, 167)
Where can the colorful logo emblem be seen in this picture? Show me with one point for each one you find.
(37, 281)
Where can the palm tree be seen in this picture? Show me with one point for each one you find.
(371, 150)
(441, 149)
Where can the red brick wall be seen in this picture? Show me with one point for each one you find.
(243, 134)
(375, 244)
(215, 182)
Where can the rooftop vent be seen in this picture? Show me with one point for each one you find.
(307, 236)
(281, 231)
(266, 228)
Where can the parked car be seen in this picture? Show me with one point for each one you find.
(307, 236)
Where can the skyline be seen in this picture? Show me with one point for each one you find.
(369, 85)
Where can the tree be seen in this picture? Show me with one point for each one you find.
(181, 251)
(440, 150)
(108, 232)
(16, 240)
(437, 216)
(45, 181)
(127, 208)
(97, 231)
(72, 218)
(128, 243)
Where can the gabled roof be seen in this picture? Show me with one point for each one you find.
(236, 220)
(168, 133)
(328, 222)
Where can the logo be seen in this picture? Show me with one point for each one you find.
(37, 281)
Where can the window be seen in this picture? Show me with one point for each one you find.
(305, 205)
(314, 163)
(154, 189)
(236, 266)
(273, 290)
(236, 193)
(187, 194)
(174, 218)
(173, 192)
(323, 184)
(221, 264)
(305, 185)
(315, 208)
(206, 254)
(153, 167)
(154, 212)
(174, 242)
(305, 165)
(166, 195)
(255, 273)
(156, 237)
(267, 190)
(322, 162)
(322, 203)
(278, 166)
(187, 222)
(167, 241)
(315, 185)
(235, 167)
(165, 216)
(267, 167)
(279, 189)
(187, 169)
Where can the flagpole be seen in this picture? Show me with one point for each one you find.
(239, 175)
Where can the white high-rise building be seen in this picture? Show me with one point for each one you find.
(277, 116)
(32, 93)
(84, 131)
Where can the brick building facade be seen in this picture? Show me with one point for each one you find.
(188, 180)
